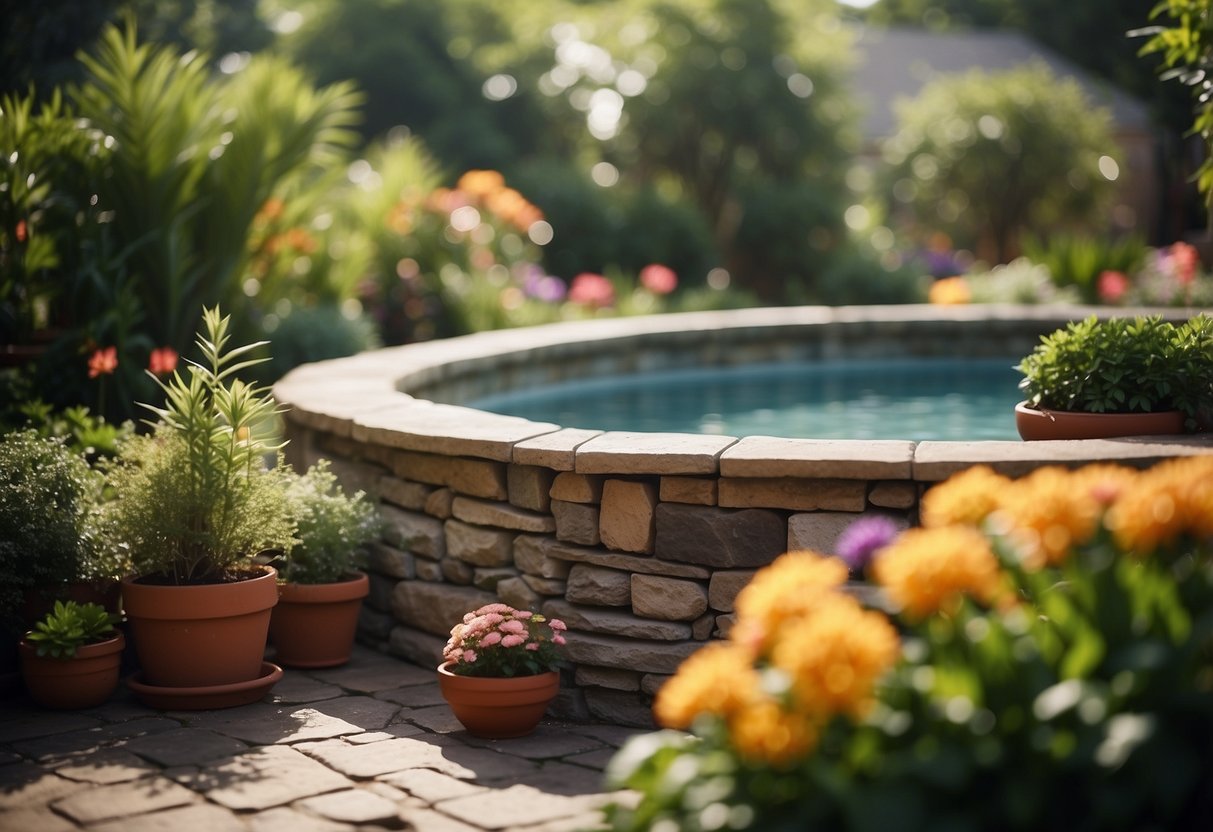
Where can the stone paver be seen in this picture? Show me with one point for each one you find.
(367, 746)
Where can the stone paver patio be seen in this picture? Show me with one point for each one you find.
(367, 746)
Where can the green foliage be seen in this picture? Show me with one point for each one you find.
(331, 528)
(315, 333)
(85, 434)
(1078, 260)
(48, 524)
(1020, 281)
(69, 626)
(987, 157)
(194, 502)
(1122, 365)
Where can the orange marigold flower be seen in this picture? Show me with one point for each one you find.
(965, 499)
(480, 183)
(1172, 500)
(22, 231)
(271, 209)
(925, 571)
(103, 362)
(950, 291)
(835, 655)
(163, 361)
(717, 679)
(765, 732)
(784, 591)
(1049, 512)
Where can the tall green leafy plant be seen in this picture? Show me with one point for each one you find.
(195, 502)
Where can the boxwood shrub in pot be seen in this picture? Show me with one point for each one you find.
(198, 509)
(1105, 374)
(321, 592)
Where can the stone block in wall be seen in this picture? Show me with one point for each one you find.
(479, 546)
(622, 562)
(628, 653)
(703, 626)
(545, 586)
(607, 677)
(576, 522)
(474, 477)
(301, 451)
(614, 622)
(439, 503)
(429, 570)
(724, 586)
(501, 515)
(516, 593)
(413, 532)
(793, 493)
(724, 624)
(380, 592)
(598, 585)
(576, 488)
(456, 571)
(718, 538)
(627, 517)
(373, 624)
(819, 530)
(404, 493)
(569, 705)
(341, 446)
(693, 490)
(650, 683)
(530, 487)
(390, 561)
(418, 647)
(435, 608)
(894, 494)
(357, 476)
(668, 599)
(531, 557)
(487, 578)
(617, 707)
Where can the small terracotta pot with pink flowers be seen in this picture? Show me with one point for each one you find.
(499, 672)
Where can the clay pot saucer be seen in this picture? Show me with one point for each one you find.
(206, 697)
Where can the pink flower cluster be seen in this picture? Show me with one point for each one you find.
(498, 640)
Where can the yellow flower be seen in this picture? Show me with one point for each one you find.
(1051, 511)
(964, 499)
(927, 570)
(717, 679)
(835, 655)
(765, 732)
(1171, 500)
(949, 291)
(785, 590)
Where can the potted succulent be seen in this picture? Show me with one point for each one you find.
(320, 587)
(1117, 377)
(196, 506)
(499, 670)
(49, 543)
(72, 657)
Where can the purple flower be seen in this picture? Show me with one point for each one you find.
(860, 541)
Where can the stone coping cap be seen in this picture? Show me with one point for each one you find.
(361, 397)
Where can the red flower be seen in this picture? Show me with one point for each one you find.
(103, 362)
(1112, 286)
(1187, 260)
(592, 290)
(22, 231)
(658, 279)
(163, 361)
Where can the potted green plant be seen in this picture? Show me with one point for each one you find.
(321, 587)
(1117, 377)
(72, 657)
(49, 543)
(196, 506)
(499, 670)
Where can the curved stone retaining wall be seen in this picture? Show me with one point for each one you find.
(639, 541)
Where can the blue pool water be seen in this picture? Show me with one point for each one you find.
(917, 399)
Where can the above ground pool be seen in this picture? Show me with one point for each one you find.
(916, 399)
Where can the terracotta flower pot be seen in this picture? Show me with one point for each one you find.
(313, 625)
(84, 680)
(1034, 423)
(201, 635)
(498, 708)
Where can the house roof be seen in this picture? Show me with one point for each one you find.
(896, 62)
